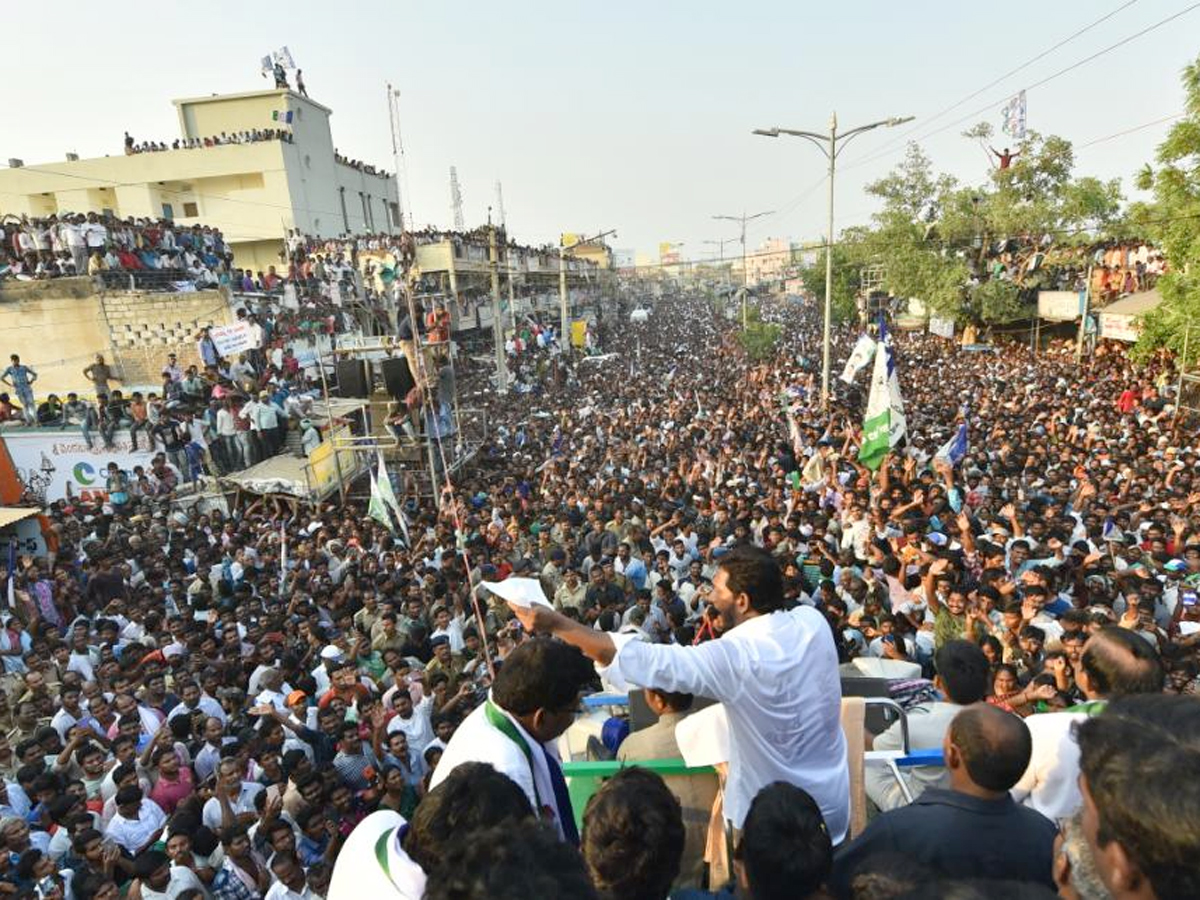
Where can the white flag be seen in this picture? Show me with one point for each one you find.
(863, 350)
(283, 56)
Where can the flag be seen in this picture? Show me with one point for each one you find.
(387, 492)
(1012, 117)
(1111, 531)
(283, 56)
(883, 424)
(268, 66)
(863, 350)
(12, 575)
(956, 448)
(377, 508)
(282, 555)
(279, 115)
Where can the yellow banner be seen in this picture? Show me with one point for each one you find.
(321, 460)
(578, 332)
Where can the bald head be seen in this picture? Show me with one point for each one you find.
(993, 746)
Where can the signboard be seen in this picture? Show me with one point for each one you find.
(1119, 328)
(624, 259)
(232, 339)
(324, 466)
(1060, 306)
(941, 327)
(56, 465)
(668, 254)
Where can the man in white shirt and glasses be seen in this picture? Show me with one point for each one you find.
(774, 669)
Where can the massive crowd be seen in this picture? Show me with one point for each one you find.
(101, 245)
(289, 705)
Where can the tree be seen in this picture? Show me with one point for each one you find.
(759, 339)
(848, 262)
(1173, 222)
(935, 236)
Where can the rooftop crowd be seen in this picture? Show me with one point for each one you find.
(99, 245)
(250, 136)
(285, 704)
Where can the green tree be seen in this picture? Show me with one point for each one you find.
(759, 339)
(1172, 221)
(848, 262)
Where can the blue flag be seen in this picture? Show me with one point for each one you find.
(956, 448)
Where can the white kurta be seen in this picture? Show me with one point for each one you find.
(477, 740)
(777, 676)
(357, 874)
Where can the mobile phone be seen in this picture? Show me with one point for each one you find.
(1188, 598)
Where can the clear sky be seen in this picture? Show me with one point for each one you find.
(633, 116)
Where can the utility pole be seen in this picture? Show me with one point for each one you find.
(497, 321)
(743, 219)
(831, 145)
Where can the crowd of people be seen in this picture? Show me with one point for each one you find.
(249, 136)
(95, 244)
(288, 704)
(358, 165)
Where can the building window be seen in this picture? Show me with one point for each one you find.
(307, 161)
(190, 211)
(345, 218)
(362, 198)
(395, 208)
(387, 215)
(370, 212)
(168, 212)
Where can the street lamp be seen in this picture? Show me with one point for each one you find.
(565, 337)
(743, 219)
(831, 145)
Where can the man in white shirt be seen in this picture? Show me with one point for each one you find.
(1115, 662)
(775, 671)
(234, 800)
(138, 822)
(533, 701)
(414, 721)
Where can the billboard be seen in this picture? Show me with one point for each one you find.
(624, 259)
(668, 253)
(1060, 306)
(57, 464)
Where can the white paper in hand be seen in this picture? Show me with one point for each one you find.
(522, 592)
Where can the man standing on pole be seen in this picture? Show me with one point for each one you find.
(774, 669)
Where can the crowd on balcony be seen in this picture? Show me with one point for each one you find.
(123, 252)
(251, 136)
(1116, 267)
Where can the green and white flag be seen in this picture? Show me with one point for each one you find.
(377, 508)
(388, 494)
(883, 425)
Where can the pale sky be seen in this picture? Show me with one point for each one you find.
(633, 116)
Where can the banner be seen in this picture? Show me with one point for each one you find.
(1060, 306)
(56, 465)
(941, 327)
(1012, 117)
(231, 340)
(863, 350)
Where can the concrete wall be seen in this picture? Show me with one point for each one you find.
(58, 326)
(143, 328)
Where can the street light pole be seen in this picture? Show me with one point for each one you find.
(831, 145)
(743, 219)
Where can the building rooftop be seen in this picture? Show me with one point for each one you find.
(248, 95)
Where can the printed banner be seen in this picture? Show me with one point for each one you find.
(57, 465)
(233, 339)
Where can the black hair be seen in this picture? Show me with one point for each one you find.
(1118, 661)
(1133, 758)
(474, 796)
(754, 572)
(785, 849)
(541, 674)
(633, 836)
(964, 671)
(995, 745)
(511, 862)
(148, 862)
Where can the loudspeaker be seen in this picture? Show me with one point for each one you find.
(397, 379)
(354, 378)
